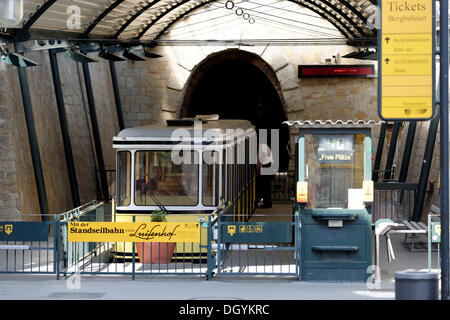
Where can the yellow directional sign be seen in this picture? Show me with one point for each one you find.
(406, 62)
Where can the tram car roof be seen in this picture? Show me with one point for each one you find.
(163, 131)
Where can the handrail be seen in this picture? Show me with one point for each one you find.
(396, 186)
(79, 211)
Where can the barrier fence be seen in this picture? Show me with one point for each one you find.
(28, 247)
(258, 247)
(144, 258)
(56, 247)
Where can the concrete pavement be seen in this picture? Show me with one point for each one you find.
(36, 287)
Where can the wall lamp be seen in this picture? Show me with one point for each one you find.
(78, 56)
(149, 54)
(127, 53)
(17, 60)
(107, 55)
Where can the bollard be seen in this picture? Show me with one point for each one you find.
(416, 285)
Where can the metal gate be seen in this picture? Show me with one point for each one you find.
(257, 247)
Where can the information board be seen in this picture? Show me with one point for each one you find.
(406, 61)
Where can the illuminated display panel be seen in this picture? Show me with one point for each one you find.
(311, 71)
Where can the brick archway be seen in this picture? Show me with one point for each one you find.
(227, 55)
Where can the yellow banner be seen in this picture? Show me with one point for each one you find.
(133, 232)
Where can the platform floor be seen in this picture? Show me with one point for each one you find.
(280, 212)
(22, 286)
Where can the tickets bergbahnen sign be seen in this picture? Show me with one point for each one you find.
(406, 60)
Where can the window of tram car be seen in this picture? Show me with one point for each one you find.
(158, 177)
(210, 178)
(124, 178)
(334, 169)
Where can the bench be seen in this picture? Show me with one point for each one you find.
(415, 229)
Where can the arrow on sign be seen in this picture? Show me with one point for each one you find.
(387, 60)
(387, 39)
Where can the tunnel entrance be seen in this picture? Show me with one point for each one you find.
(238, 85)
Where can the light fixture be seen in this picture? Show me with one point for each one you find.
(107, 55)
(351, 54)
(11, 13)
(149, 54)
(362, 54)
(78, 56)
(371, 56)
(127, 53)
(17, 60)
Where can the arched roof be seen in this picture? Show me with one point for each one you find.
(148, 19)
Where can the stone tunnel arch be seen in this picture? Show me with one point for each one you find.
(241, 85)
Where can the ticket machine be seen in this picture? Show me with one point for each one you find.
(334, 199)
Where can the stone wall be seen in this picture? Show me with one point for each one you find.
(18, 194)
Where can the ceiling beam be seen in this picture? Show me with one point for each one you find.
(23, 34)
(100, 17)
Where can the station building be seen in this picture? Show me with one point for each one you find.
(203, 57)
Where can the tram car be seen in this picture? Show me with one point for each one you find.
(187, 167)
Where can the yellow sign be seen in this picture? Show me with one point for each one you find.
(302, 191)
(134, 232)
(231, 230)
(406, 61)
(8, 229)
(251, 228)
(368, 191)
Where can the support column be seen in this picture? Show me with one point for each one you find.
(34, 146)
(376, 165)
(96, 132)
(426, 166)
(392, 147)
(64, 130)
(112, 67)
(444, 150)
(407, 151)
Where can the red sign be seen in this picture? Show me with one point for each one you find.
(309, 71)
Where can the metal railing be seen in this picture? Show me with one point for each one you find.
(394, 200)
(241, 253)
(256, 258)
(391, 172)
(29, 256)
(148, 258)
(73, 253)
(211, 254)
(41, 247)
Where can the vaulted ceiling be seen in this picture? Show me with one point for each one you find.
(148, 19)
